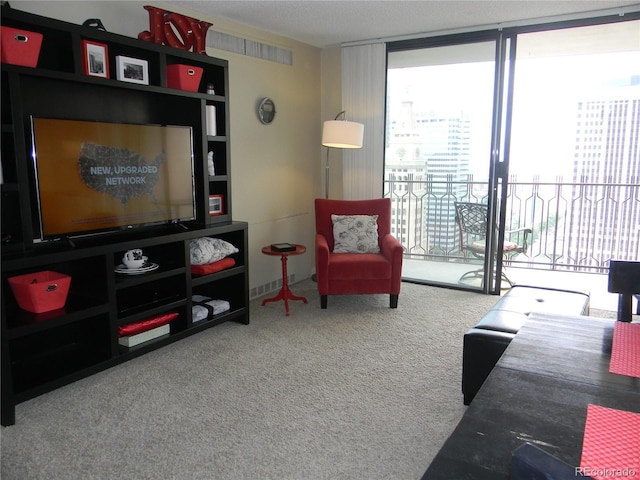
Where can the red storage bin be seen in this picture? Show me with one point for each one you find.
(20, 47)
(184, 77)
(41, 292)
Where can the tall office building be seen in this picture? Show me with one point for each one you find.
(405, 176)
(426, 166)
(446, 149)
(606, 221)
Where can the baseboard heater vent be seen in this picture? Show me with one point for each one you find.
(266, 288)
(231, 43)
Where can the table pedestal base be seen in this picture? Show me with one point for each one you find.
(285, 293)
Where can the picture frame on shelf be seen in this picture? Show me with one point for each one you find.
(95, 57)
(132, 70)
(216, 205)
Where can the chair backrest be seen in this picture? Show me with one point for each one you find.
(624, 277)
(472, 218)
(327, 207)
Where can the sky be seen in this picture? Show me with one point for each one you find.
(547, 92)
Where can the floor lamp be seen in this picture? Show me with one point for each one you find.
(340, 134)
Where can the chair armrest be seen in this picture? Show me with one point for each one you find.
(526, 230)
(393, 251)
(391, 248)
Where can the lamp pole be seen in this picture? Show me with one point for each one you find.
(326, 175)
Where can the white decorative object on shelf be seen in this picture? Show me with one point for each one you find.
(146, 268)
(212, 129)
(134, 259)
(210, 165)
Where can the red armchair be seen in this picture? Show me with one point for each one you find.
(357, 273)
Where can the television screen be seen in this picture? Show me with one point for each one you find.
(95, 176)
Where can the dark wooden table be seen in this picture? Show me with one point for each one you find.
(538, 393)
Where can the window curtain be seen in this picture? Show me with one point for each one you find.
(363, 96)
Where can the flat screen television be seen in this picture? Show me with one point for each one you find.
(95, 177)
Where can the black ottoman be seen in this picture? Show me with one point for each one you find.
(485, 343)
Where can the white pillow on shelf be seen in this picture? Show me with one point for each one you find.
(355, 233)
(208, 250)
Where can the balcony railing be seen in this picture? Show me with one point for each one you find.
(576, 226)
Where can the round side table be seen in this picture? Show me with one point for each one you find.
(285, 293)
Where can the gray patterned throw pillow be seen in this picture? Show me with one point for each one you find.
(355, 233)
(207, 250)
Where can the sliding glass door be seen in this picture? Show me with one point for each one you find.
(574, 156)
(538, 129)
(441, 115)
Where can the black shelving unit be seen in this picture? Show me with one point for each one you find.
(41, 352)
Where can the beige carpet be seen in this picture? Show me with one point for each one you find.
(357, 391)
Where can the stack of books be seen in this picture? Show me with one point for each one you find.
(136, 333)
(133, 340)
(282, 247)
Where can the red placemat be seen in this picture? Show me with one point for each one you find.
(611, 444)
(625, 349)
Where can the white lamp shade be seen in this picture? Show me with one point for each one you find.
(342, 134)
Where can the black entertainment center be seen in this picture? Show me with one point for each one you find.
(85, 237)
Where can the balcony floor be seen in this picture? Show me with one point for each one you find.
(449, 273)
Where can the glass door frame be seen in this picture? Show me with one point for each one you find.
(497, 176)
(504, 81)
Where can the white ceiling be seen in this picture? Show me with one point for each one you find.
(325, 23)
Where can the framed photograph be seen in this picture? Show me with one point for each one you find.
(216, 205)
(96, 59)
(133, 70)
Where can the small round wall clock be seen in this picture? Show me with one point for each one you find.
(266, 110)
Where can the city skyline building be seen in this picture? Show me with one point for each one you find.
(607, 152)
(427, 166)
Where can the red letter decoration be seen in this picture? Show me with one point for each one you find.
(199, 31)
(156, 21)
(175, 30)
(176, 22)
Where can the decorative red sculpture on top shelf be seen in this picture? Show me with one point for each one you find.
(175, 30)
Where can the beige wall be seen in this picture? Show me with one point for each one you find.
(277, 169)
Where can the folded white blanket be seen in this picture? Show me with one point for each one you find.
(214, 307)
(198, 313)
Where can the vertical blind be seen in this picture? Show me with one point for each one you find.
(363, 98)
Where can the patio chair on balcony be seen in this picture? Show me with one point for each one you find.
(471, 219)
